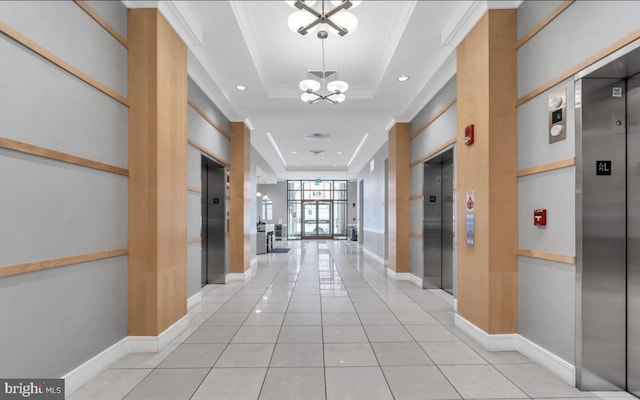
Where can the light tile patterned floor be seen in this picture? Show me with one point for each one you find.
(323, 322)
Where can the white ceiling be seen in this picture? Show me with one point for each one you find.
(249, 43)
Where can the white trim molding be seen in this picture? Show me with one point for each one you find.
(194, 300)
(515, 342)
(404, 276)
(374, 256)
(246, 275)
(178, 16)
(78, 377)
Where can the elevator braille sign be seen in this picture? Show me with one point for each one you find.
(603, 167)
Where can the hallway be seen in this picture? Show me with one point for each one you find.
(323, 322)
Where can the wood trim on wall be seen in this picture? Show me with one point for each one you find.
(209, 120)
(59, 262)
(615, 46)
(545, 21)
(547, 167)
(416, 196)
(46, 54)
(102, 22)
(433, 119)
(194, 189)
(415, 234)
(194, 240)
(561, 258)
(432, 152)
(33, 150)
(207, 152)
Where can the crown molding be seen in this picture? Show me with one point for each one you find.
(397, 27)
(198, 73)
(178, 16)
(464, 19)
(467, 16)
(447, 67)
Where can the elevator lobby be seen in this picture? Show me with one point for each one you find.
(329, 199)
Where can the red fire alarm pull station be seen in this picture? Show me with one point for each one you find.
(540, 217)
(468, 135)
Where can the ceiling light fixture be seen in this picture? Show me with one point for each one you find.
(310, 87)
(355, 153)
(241, 87)
(276, 148)
(307, 18)
(403, 78)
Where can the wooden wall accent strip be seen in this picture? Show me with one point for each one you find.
(547, 167)
(59, 262)
(432, 153)
(415, 234)
(545, 21)
(36, 48)
(102, 22)
(194, 189)
(194, 240)
(433, 119)
(561, 258)
(209, 120)
(416, 196)
(207, 152)
(615, 46)
(26, 148)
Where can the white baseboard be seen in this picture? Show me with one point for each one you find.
(194, 300)
(246, 275)
(515, 342)
(77, 378)
(404, 276)
(374, 256)
(559, 367)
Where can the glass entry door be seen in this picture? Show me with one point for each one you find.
(316, 219)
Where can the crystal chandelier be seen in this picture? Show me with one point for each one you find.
(311, 87)
(308, 18)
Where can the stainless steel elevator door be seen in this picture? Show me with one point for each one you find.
(601, 192)
(432, 226)
(438, 223)
(447, 226)
(213, 223)
(633, 235)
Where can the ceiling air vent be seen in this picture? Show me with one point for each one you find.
(329, 75)
(316, 152)
(317, 136)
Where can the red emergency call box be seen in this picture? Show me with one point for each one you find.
(540, 217)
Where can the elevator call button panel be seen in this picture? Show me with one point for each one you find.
(557, 116)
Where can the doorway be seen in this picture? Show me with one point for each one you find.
(316, 219)
(438, 223)
(212, 225)
(608, 226)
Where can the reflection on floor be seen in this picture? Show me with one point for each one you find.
(323, 322)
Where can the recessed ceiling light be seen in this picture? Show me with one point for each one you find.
(339, 152)
(241, 87)
(294, 152)
(403, 78)
(335, 165)
(297, 165)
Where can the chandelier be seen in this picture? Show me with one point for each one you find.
(311, 87)
(308, 18)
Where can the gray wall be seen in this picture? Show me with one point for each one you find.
(203, 133)
(439, 132)
(56, 319)
(546, 288)
(373, 213)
